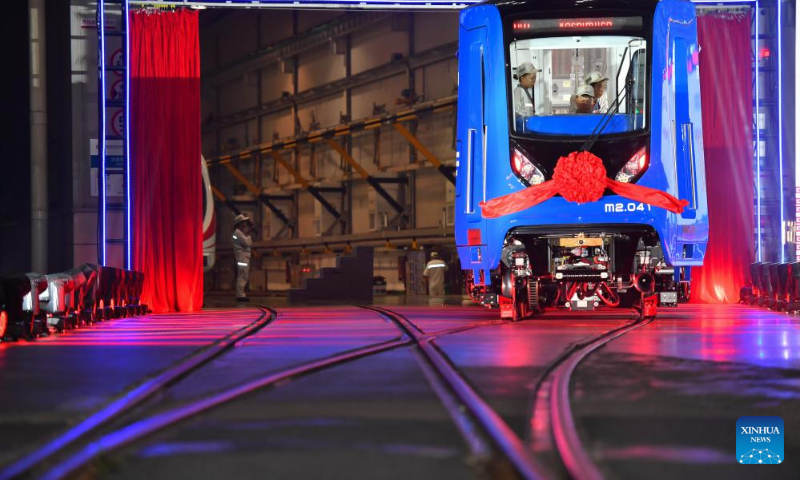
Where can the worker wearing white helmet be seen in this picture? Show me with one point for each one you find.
(524, 93)
(242, 250)
(599, 83)
(434, 274)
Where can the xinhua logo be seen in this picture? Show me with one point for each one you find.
(759, 440)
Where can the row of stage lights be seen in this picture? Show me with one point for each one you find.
(773, 285)
(32, 305)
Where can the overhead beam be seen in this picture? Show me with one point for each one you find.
(261, 197)
(414, 141)
(228, 203)
(440, 105)
(366, 176)
(314, 191)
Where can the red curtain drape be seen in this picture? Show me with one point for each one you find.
(727, 97)
(165, 151)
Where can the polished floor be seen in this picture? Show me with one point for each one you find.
(659, 402)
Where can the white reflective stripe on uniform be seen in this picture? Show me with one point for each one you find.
(241, 264)
(438, 265)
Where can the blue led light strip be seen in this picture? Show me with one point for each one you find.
(760, 243)
(797, 135)
(102, 131)
(126, 140)
(322, 4)
(780, 131)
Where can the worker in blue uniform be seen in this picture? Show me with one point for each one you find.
(434, 274)
(242, 250)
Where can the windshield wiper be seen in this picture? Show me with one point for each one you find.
(615, 106)
(605, 120)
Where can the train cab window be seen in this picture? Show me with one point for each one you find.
(565, 85)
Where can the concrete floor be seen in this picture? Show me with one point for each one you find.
(659, 402)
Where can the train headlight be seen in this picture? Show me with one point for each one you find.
(525, 169)
(635, 167)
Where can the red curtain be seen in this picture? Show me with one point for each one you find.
(727, 97)
(165, 151)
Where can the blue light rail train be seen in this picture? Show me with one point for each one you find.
(612, 80)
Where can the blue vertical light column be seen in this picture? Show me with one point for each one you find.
(101, 66)
(780, 129)
(127, 139)
(797, 136)
(759, 241)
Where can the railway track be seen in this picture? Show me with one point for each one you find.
(135, 397)
(498, 451)
(552, 426)
(89, 440)
(551, 404)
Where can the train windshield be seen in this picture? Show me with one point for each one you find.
(564, 86)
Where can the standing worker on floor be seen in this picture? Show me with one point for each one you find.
(434, 274)
(242, 249)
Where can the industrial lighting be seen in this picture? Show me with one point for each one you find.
(127, 140)
(797, 135)
(102, 133)
(779, 7)
(323, 4)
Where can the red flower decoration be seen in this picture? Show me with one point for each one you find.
(580, 177)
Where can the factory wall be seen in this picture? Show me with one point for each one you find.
(240, 111)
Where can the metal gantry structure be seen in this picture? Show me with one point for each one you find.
(772, 218)
(335, 138)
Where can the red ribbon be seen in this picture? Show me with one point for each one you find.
(579, 177)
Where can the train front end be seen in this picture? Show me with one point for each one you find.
(615, 81)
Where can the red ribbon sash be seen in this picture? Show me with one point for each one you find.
(579, 177)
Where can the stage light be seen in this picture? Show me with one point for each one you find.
(77, 306)
(56, 300)
(90, 294)
(13, 290)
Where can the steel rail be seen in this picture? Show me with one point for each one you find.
(498, 431)
(135, 397)
(150, 425)
(574, 456)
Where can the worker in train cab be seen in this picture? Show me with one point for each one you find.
(585, 99)
(524, 95)
(434, 275)
(599, 84)
(242, 251)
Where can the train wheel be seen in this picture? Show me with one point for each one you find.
(520, 297)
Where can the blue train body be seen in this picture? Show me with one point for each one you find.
(488, 133)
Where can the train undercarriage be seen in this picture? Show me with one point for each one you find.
(580, 271)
